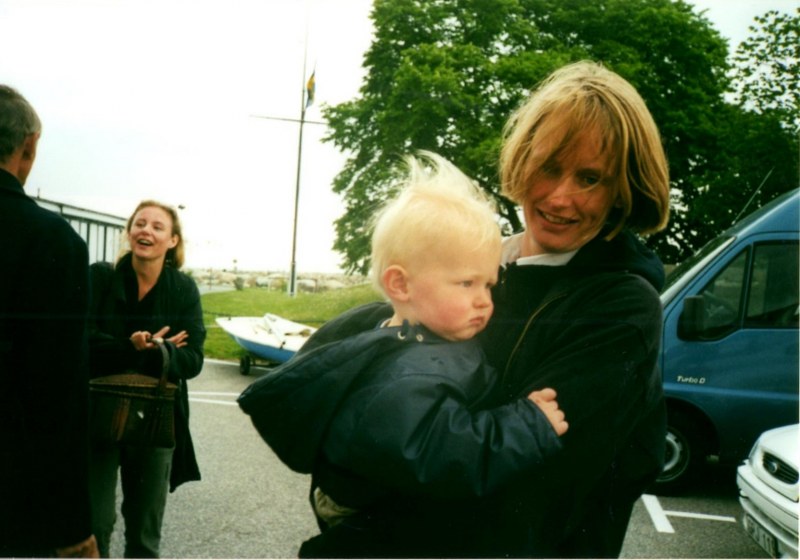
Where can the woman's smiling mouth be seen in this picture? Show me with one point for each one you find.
(553, 219)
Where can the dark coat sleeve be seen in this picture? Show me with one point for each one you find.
(185, 314)
(181, 309)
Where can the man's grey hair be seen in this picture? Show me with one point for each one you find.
(18, 120)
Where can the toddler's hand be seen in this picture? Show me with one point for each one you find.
(546, 401)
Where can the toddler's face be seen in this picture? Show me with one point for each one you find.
(451, 294)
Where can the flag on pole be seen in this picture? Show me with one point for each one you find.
(311, 86)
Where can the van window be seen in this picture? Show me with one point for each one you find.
(762, 292)
(774, 287)
(723, 299)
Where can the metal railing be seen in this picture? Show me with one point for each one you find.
(102, 232)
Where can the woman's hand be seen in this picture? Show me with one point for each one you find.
(546, 401)
(143, 340)
(179, 340)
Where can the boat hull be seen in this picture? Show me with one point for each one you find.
(269, 338)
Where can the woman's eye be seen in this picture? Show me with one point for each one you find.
(466, 283)
(551, 169)
(590, 180)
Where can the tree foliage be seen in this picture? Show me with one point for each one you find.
(767, 68)
(758, 155)
(445, 75)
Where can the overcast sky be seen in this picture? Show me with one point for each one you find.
(162, 98)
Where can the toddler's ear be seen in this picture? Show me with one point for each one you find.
(395, 283)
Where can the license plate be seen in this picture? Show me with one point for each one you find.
(759, 534)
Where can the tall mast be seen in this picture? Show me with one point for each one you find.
(303, 104)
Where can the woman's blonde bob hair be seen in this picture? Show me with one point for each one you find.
(437, 209)
(175, 256)
(586, 97)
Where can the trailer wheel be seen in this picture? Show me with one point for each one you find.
(244, 365)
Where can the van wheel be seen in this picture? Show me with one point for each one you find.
(685, 455)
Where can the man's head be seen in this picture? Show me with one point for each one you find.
(20, 128)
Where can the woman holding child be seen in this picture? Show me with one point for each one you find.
(576, 309)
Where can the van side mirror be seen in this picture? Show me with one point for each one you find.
(692, 322)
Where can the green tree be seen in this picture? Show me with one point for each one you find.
(765, 129)
(444, 75)
(767, 68)
(757, 150)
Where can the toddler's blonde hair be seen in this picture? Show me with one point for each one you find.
(438, 209)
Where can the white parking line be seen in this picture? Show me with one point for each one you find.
(660, 516)
(657, 514)
(705, 516)
(213, 401)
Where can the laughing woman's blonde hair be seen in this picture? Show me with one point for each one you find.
(437, 209)
(582, 97)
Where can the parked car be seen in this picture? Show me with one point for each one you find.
(768, 491)
(730, 342)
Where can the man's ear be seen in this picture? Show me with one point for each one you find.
(395, 282)
(29, 146)
(27, 155)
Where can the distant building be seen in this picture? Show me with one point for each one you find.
(101, 232)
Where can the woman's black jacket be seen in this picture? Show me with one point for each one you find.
(177, 304)
(591, 330)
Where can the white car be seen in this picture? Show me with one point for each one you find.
(768, 491)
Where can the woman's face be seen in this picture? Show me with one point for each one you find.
(568, 201)
(150, 235)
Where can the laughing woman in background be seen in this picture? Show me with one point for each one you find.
(144, 296)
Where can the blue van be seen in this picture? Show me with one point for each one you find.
(729, 355)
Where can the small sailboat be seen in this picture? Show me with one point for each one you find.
(270, 338)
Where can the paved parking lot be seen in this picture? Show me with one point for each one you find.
(249, 505)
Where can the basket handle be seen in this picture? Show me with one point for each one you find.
(162, 382)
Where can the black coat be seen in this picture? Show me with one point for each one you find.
(44, 493)
(177, 304)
